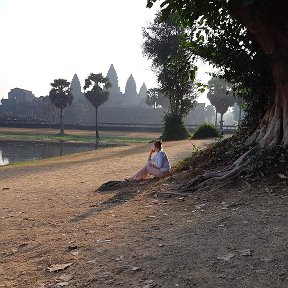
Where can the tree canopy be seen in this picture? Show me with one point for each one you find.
(155, 98)
(170, 63)
(220, 95)
(219, 38)
(248, 41)
(95, 90)
(162, 44)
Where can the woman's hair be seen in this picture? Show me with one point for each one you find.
(158, 144)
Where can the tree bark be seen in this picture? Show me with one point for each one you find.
(221, 122)
(269, 26)
(96, 127)
(216, 124)
(61, 123)
(155, 114)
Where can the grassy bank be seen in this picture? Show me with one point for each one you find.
(36, 136)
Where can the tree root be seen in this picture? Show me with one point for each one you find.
(215, 177)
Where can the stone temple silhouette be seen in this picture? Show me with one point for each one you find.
(127, 107)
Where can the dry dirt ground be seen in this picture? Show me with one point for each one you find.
(57, 230)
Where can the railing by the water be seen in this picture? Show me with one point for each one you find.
(191, 127)
(108, 126)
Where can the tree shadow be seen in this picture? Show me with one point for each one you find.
(121, 197)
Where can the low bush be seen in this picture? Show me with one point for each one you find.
(206, 131)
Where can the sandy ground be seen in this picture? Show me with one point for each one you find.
(39, 199)
(141, 235)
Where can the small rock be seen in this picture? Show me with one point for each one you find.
(149, 284)
(74, 253)
(136, 268)
(65, 277)
(62, 284)
(200, 206)
(246, 252)
(58, 267)
(266, 259)
(226, 257)
(106, 275)
(260, 271)
(72, 247)
(103, 241)
(222, 276)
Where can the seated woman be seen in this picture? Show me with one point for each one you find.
(158, 165)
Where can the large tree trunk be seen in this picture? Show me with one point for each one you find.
(269, 25)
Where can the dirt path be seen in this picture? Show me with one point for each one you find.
(141, 235)
(40, 200)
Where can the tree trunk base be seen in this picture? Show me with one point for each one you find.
(212, 178)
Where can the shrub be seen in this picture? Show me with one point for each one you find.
(206, 131)
(174, 128)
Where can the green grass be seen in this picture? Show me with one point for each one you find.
(18, 164)
(24, 136)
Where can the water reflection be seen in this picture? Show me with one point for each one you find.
(15, 151)
(3, 160)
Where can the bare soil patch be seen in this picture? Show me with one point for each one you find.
(139, 235)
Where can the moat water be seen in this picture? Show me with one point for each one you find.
(20, 151)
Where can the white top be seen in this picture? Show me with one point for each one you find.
(161, 161)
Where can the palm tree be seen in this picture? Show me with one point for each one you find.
(95, 91)
(153, 95)
(220, 96)
(61, 96)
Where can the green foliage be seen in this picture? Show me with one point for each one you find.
(206, 130)
(61, 96)
(174, 128)
(173, 67)
(155, 98)
(215, 36)
(220, 94)
(266, 158)
(95, 89)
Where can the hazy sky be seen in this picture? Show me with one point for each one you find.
(42, 40)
